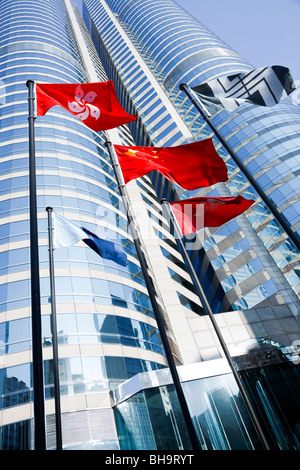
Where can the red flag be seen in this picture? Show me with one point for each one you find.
(195, 213)
(95, 104)
(191, 166)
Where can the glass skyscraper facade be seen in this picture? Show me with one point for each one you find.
(107, 332)
(74, 176)
(171, 48)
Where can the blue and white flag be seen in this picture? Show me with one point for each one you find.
(66, 233)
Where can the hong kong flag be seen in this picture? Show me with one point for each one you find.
(95, 104)
(191, 165)
(195, 213)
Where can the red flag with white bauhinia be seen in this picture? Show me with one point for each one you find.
(95, 104)
(196, 213)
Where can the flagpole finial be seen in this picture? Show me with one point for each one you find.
(48, 209)
(29, 82)
(182, 85)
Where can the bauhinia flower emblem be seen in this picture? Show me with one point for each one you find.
(82, 105)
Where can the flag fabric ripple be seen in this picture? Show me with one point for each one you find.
(66, 233)
(191, 166)
(105, 248)
(95, 104)
(196, 213)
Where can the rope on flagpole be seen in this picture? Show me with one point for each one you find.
(268, 202)
(156, 308)
(178, 236)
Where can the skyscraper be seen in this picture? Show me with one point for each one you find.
(160, 52)
(74, 176)
(107, 332)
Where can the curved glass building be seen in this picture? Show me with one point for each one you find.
(106, 327)
(250, 261)
(115, 386)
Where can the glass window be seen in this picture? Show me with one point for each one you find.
(115, 368)
(15, 385)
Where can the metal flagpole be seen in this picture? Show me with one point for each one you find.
(268, 202)
(178, 236)
(54, 334)
(155, 305)
(37, 350)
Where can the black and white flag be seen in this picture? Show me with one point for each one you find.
(265, 86)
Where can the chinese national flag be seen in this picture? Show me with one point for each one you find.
(95, 104)
(195, 213)
(191, 166)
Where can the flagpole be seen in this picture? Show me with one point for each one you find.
(203, 299)
(156, 308)
(37, 350)
(54, 334)
(268, 202)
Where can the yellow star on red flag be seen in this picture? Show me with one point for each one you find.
(191, 166)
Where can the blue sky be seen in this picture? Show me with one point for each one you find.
(265, 32)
